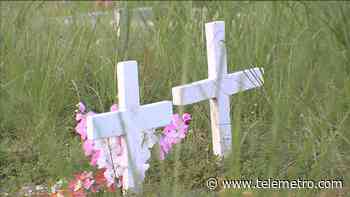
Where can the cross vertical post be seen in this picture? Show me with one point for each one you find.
(220, 105)
(129, 99)
(128, 85)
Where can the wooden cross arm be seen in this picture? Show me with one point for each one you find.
(208, 88)
(194, 92)
(116, 123)
(243, 80)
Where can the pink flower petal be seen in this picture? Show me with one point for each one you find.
(88, 183)
(71, 184)
(176, 120)
(165, 144)
(95, 157)
(88, 147)
(186, 117)
(79, 116)
(169, 128)
(114, 107)
(161, 154)
(81, 130)
(81, 107)
(173, 133)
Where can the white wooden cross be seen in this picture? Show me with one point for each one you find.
(218, 87)
(129, 121)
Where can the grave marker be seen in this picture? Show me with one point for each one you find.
(218, 87)
(130, 120)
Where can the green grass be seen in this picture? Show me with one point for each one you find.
(296, 126)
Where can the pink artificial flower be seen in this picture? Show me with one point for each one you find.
(174, 133)
(79, 116)
(95, 157)
(88, 183)
(182, 131)
(164, 144)
(161, 154)
(74, 185)
(186, 117)
(169, 128)
(85, 175)
(81, 107)
(81, 128)
(81, 181)
(114, 107)
(179, 123)
(176, 120)
(88, 147)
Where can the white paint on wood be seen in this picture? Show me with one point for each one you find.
(144, 117)
(206, 89)
(243, 80)
(194, 92)
(128, 85)
(220, 105)
(130, 120)
(218, 87)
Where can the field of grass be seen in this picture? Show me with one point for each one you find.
(296, 126)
